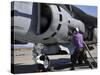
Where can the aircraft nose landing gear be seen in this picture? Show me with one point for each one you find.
(43, 63)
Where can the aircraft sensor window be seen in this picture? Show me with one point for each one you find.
(59, 8)
(53, 34)
(59, 26)
(68, 21)
(60, 17)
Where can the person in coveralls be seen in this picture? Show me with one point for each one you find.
(79, 54)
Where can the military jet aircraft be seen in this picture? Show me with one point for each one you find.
(49, 23)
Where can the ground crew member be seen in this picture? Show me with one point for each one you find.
(79, 53)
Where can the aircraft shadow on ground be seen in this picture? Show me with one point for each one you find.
(57, 64)
(60, 63)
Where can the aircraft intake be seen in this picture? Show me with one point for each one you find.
(45, 17)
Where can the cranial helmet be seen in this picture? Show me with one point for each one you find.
(77, 29)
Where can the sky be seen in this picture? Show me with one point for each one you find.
(92, 10)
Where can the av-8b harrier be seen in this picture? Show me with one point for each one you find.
(49, 23)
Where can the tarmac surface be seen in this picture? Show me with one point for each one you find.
(24, 63)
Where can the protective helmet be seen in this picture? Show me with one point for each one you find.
(77, 29)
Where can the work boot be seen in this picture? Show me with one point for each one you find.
(90, 66)
(80, 62)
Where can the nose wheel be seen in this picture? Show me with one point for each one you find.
(43, 62)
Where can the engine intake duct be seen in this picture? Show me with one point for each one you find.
(45, 17)
(42, 17)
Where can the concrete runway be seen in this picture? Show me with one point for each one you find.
(23, 62)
